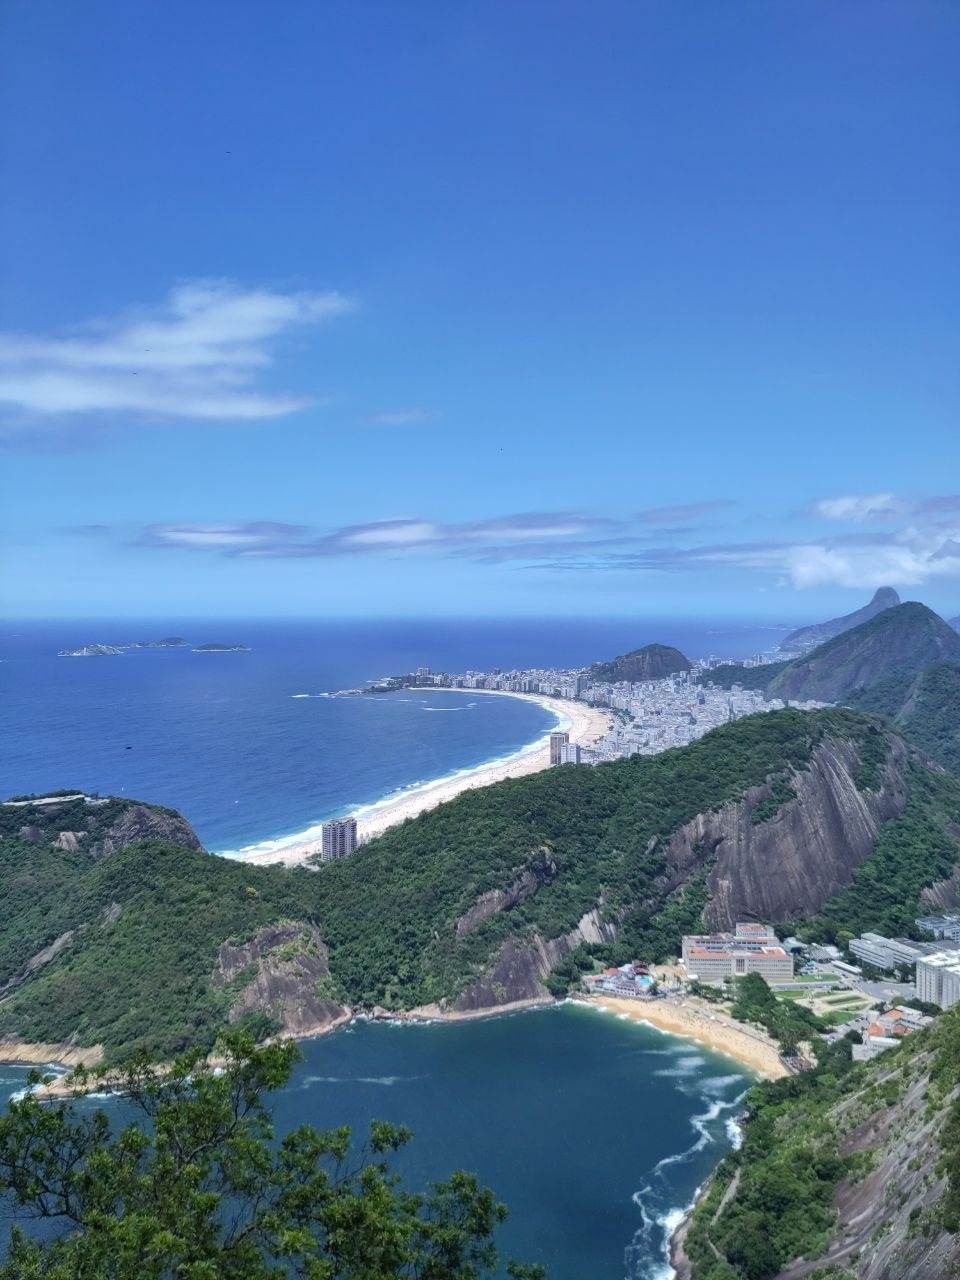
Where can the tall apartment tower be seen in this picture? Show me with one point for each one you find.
(569, 753)
(338, 838)
(557, 742)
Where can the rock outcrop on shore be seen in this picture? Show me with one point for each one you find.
(281, 973)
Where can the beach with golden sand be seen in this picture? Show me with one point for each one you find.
(705, 1025)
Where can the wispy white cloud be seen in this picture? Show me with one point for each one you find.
(279, 540)
(197, 356)
(219, 537)
(864, 508)
(859, 507)
(399, 417)
(905, 558)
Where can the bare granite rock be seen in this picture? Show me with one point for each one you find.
(290, 964)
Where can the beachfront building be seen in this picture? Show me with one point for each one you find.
(338, 838)
(751, 948)
(558, 741)
(569, 753)
(938, 978)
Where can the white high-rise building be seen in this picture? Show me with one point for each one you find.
(337, 839)
(938, 978)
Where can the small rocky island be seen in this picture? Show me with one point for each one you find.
(169, 642)
(92, 651)
(222, 648)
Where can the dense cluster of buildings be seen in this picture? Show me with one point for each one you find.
(881, 1031)
(751, 948)
(652, 715)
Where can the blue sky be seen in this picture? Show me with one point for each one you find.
(479, 308)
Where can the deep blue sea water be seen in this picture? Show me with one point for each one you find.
(224, 738)
(595, 1132)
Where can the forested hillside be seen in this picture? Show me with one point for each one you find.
(494, 898)
(903, 663)
(848, 1172)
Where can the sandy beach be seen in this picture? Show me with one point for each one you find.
(709, 1028)
(585, 724)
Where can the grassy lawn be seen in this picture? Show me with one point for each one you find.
(836, 1017)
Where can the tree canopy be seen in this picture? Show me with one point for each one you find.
(197, 1186)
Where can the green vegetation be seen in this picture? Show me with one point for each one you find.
(142, 981)
(729, 674)
(899, 642)
(913, 851)
(780, 1207)
(601, 830)
(781, 790)
(926, 708)
(903, 663)
(134, 935)
(771, 1202)
(785, 1021)
(652, 662)
(196, 1187)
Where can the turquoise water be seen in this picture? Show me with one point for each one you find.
(596, 1132)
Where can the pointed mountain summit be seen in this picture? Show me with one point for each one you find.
(817, 632)
(896, 644)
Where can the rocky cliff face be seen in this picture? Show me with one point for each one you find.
(787, 865)
(797, 860)
(888, 1211)
(521, 965)
(144, 822)
(494, 901)
(282, 972)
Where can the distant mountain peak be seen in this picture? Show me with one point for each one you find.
(885, 597)
(807, 637)
(895, 643)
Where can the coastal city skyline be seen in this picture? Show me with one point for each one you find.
(461, 311)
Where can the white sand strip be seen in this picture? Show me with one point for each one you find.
(584, 724)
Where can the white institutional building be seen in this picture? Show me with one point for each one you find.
(938, 978)
(753, 948)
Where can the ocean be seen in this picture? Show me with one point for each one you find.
(242, 744)
(595, 1132)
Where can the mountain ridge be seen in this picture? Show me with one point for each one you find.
(494, 898)
(817, 632)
